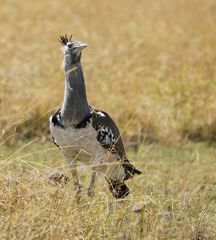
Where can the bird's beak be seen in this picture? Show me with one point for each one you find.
(81, 46)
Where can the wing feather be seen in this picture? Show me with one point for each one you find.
(108, 133)
(109, 137)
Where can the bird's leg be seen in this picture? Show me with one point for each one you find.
(92, 185)
(77, 185)
(76, 182)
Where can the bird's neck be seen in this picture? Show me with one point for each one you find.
(75, 106)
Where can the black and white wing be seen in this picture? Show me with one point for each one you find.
(107, 133)
(109, 138)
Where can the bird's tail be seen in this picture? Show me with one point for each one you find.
(130, 170)
(118, 189)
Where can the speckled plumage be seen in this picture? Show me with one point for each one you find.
(98, 143)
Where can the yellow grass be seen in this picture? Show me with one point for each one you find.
(154, 59)
(176, 195)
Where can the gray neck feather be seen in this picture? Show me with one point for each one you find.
(75, 106)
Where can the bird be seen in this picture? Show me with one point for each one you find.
(86, 134)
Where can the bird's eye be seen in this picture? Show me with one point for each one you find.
(69, 45)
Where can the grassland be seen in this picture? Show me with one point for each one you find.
(152, 61)
(176, 196)
(151, 64)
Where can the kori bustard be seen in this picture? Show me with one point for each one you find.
(86, 134)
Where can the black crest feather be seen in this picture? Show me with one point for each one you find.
(65, 39)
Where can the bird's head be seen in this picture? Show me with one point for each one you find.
(72, 48)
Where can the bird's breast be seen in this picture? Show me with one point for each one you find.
(80, 139)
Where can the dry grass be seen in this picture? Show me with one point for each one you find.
(154, 59)
(177, 194)
(151, 64)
